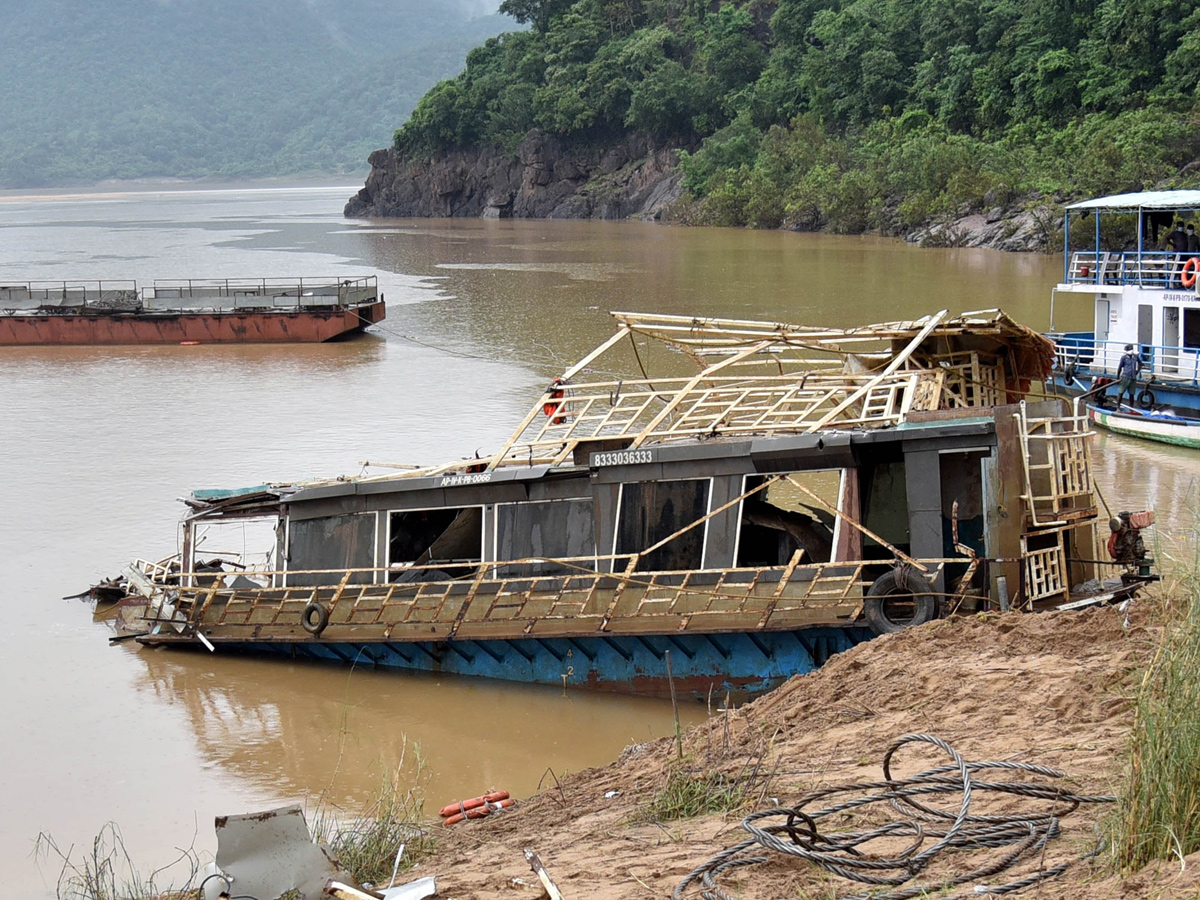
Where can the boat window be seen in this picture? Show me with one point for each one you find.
(1191, 328)
(431, 544)
(652, 511)
(331, 544)
(237, 547)
(547, 530)
(884, 491)
(778, 521)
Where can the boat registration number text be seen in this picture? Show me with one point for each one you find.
(622, 458)
(471, 478)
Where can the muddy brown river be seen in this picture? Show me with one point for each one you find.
(98, 444)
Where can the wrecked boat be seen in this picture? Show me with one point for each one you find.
(188, 311)
(758, 497)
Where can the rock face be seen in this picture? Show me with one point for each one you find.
(631, 179)
(1023, 224)
(542, 180)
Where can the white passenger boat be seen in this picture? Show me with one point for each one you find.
(1139, 294)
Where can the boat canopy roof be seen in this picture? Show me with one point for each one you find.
(1166, 200)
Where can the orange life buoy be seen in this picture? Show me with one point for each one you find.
(552, 408)
(478, 812)
(463, 805)
(1190, 268)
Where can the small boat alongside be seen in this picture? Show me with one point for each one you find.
(1153, 425)
(1142, 297)
(752, 498)
(190, 311)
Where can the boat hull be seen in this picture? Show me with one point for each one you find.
(1165, 430)
(183, 326)
(702, 665)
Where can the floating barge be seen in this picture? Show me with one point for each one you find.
(774, 495)
(216, 311)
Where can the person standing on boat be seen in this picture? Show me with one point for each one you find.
(1193, 245)
(1128, 370)
(1176, 241)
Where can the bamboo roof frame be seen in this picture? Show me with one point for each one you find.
(753, 378)
(762, 378)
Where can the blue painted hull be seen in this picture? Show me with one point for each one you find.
(741, 664)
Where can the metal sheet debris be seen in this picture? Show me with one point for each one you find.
(270, 853)
(414, 890)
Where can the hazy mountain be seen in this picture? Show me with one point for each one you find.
(166, 88)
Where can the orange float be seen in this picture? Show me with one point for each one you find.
(552, 408)
(462, 806)
(1190, 268)
(475, 808)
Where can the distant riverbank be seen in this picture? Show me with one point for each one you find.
(545, 179)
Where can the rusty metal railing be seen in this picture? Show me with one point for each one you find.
(487, 602)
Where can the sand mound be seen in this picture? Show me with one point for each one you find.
(1041, 689)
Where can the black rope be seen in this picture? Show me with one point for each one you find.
(795, 831)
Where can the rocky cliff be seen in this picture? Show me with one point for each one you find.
(544, 179)
(541, 180)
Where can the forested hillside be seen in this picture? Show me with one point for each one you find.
(845, 114)
(165, 88)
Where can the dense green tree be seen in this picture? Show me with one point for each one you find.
(537, 13)
(847, 114)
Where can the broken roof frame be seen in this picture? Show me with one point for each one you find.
(767, 378)
(753, 378)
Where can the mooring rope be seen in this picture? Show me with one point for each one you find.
(1023, 835)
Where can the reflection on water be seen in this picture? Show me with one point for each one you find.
(99, 442)
(294, 729)
(1134, 474)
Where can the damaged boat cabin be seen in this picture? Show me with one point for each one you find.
(757, 497)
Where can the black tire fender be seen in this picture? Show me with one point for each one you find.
(901, 580)
(314, 618)
(1146, 399)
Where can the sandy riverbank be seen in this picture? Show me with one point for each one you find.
(1047, 689)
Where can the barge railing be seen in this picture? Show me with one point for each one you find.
(26, 295)
(242, 293)
(256, 293)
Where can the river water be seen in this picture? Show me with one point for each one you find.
(99, 442)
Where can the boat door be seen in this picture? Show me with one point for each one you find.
(1103, 310)
(1170, 339)
(1145, 323)
(1146, 333)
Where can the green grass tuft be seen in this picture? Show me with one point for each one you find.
(1159, 814)
(366, 842)
(692, 789)
(105, 871)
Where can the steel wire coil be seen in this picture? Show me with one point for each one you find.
(1022, 835)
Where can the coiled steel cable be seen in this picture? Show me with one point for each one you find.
(1021, 835)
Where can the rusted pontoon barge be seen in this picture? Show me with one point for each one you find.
(202, 311)
(778, 494)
